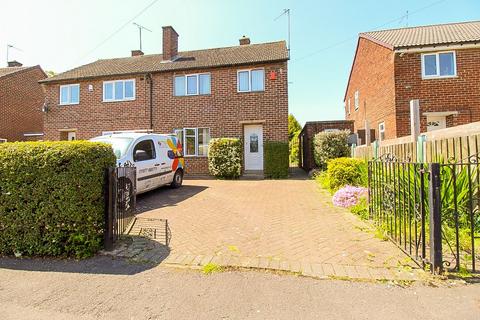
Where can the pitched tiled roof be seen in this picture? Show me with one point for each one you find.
(440, 34)
(10, 70)
(238, 55)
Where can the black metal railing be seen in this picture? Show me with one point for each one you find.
(460, 200)
(431, 211)
(121, 202)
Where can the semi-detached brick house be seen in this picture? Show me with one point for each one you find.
(21, 102)
(437, 64)
(238, 91)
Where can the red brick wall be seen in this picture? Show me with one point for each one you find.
(373, 76)
(21, 101)
(461, 93)
(308, 133)
(223, 111)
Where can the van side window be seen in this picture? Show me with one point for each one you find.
(144, 150)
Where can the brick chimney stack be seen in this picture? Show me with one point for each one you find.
(14, 63)
(136, 53)
(244, 40)
(170, 43)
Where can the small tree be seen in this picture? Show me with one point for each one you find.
(294, 129)
(330, 145)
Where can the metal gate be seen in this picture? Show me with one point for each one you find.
(430, 210)
(121, 202)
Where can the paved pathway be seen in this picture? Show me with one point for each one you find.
(287, 225)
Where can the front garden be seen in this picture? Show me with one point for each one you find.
(401, 200)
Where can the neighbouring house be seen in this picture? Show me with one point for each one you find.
(21, 102)
(437, 64)
(239, 91)
(309, 130)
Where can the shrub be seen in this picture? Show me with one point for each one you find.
(348, 196)
(346, 171)
(330, 145)
(225, 157)
(52, 197)
(361, 208)
(276, 159)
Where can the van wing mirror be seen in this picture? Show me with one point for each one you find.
(140, 155)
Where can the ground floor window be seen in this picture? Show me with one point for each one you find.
(195, 141)
(381, 131)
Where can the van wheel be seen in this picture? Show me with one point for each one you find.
(177, 179)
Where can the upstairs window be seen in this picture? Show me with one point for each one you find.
(192, 84)
(70, 94)
(119, 90)
(349, 107)
(251, 80)
(356, 100)
(439, 65)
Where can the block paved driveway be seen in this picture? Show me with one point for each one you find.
(274, 224)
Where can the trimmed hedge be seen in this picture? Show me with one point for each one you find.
(52, 197)
(225, 157)
(276, 159)
(346, 171)
(330, 145)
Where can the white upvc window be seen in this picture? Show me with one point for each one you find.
(381, 131)
(439, 65)
(356, 100)
(70, 94)
(119, 90)
(192, 84)
(349, 106)
(251, 80)
(194, 140)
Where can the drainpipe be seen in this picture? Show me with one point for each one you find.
(150, 81)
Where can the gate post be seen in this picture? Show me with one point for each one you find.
(108, 236)
(434, 199)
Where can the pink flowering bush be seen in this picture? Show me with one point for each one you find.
(349, 196)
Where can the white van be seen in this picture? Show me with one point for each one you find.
(157, 157)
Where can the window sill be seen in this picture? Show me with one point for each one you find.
(68, 104)
(194, 156)
(260, 91)
(193, 95)
(124, 100)
(439, 77)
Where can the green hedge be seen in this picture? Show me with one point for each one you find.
(225, 157)
(276, 159)
(346, 171)
(52, 197)
(330, 145)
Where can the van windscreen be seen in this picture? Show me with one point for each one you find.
(119, 145)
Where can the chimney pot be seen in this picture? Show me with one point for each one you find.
(136, 53)
(14, 63)
(244, 40)
(170, 43)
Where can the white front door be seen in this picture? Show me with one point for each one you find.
(436, 123)
(71, 136)
(253, 147)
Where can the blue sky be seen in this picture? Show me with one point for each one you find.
(62, 34)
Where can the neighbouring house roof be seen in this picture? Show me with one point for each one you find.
(10, 70)
(208, 58)
(424, 36)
